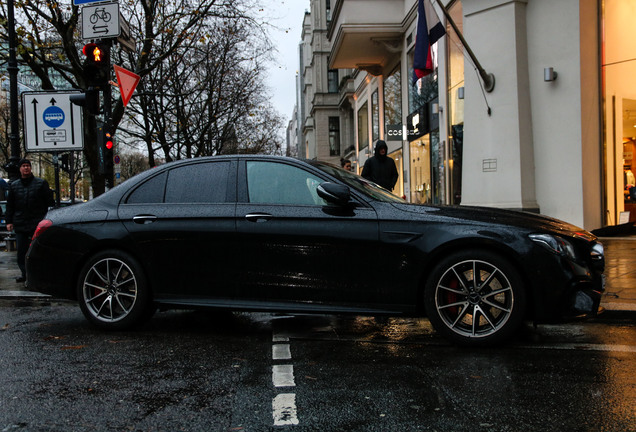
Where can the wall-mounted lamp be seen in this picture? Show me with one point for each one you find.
(460, 93)
(549, 74)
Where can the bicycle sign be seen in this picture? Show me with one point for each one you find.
(100, 21)
(100, 14)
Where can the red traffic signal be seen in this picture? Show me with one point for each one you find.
(108, 143)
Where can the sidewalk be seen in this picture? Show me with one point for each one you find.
(620, 273)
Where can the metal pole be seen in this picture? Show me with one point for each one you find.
(108, 104)
(56, 165)
(487, 78)
(12, 167)
(71, 171)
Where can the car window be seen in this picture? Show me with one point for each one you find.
(198, 183)
(358, 183)
(150, 191)
(194, 183)
(278, 183)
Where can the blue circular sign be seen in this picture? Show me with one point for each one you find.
(53, 116)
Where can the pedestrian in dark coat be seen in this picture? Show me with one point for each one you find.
(380, 168)
(27, 203)
(4, 189)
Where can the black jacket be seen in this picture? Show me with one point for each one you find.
(381, 169)
(27, 203)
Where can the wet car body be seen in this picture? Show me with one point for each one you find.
(353, 249)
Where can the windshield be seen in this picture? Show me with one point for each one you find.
(358, 183)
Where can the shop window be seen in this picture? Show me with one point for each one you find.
(393, 99)
(398, 189)
(619, 116)
(456, 106)
(375, 117)
(425, 89)
(363, 127)
(426, 167)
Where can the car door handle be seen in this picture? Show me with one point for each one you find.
(258, 217)
(144, 219)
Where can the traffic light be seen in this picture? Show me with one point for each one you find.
(106, 150)
(88, 99)
(109, 153)
(64, 163)
(97, 64)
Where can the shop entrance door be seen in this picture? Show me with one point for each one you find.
(619, 94)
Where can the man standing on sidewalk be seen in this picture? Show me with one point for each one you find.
(27, 203)
(380, 168)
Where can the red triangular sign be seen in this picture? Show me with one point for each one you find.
(127, 81)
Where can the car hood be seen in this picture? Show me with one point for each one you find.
(520, 219)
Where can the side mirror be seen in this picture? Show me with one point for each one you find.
(334, 193)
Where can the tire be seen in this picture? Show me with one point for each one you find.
(113, 292)
(475, 312)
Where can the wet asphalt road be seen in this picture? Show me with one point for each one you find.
(211, 371)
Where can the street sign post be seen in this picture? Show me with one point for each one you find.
(125, 39)
(52, 122)
(100, 21)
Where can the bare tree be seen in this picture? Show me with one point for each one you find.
(199, 62)
(5, 121)
(216, 100)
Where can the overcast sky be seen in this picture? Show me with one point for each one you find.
(288, 17)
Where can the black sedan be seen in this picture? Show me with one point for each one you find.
(263, 233)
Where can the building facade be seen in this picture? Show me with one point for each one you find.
(555, 134)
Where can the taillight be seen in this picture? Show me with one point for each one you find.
(42, 226)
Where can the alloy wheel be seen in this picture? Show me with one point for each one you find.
(474, 299)
(110, 290)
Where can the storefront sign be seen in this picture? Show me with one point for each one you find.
(422, 121)
(394, 132)
(417, 123)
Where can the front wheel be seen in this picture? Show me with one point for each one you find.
(475, 298)
(112, 291)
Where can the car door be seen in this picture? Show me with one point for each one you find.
(296, 248)
(181, 223)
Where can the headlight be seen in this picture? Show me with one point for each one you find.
(598, 252)
(554, 244)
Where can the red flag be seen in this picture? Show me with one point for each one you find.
(429, 30)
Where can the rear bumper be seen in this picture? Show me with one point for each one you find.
(51, 271)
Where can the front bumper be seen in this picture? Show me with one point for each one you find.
(565, 290)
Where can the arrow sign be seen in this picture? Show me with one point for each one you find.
(51, 122)
(127, 82)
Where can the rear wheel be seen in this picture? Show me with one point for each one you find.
(475, 298)
(112, 291)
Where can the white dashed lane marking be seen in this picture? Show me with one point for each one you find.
(281, 352)
(283, 376)
(284, 409)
